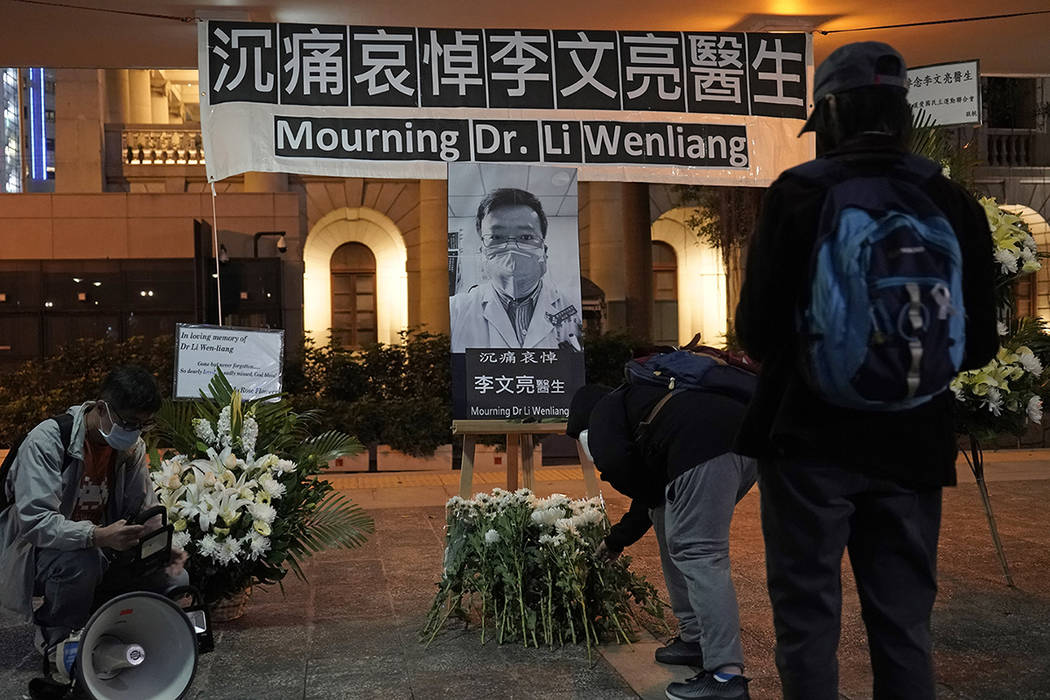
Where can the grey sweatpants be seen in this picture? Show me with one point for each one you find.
(698, 511)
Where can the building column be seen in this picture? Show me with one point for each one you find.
(78, 130)
(619, 257)
(118, 99)
(140, 109)
(430, 302)
(159, 106)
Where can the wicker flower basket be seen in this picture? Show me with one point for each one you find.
(232, 606)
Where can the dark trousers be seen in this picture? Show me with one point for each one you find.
(811, 512)
(73, 584)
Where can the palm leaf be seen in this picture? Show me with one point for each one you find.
(336, 523)
(328, 446)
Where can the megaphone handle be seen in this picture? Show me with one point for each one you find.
(192, 591)
(144, 517)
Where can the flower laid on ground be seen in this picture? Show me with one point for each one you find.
(529, 567)
(242, 492)
(1015, 248)
(1007, 394)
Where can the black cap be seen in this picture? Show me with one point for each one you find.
(861, 64)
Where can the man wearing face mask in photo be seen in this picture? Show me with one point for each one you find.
(69, 509)
(517, 306)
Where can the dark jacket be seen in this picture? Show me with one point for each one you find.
(786, 418)
(691, 428)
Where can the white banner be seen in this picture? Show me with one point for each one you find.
(950, 93)
(710, 107)
(250, 359)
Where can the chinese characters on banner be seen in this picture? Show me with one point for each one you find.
(515, 311)
(366, 100)
(950, 93)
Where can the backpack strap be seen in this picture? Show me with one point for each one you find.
(65, 432)
(643, 425)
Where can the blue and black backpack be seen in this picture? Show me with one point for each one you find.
(883, 327)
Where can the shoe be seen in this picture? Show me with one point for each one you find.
(704, 686)
(680, 653)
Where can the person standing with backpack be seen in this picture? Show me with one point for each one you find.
(868, 286)
(74, 485)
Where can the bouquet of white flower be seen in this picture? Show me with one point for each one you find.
(535, 567)
(1015, 248)
(1007, 394)
(241, 491)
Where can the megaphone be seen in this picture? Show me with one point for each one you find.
(137, 645)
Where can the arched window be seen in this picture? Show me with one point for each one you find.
(353, 269)
(665, 295)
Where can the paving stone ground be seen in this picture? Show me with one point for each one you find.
(351, 631)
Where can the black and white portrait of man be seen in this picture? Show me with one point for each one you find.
(517, 262)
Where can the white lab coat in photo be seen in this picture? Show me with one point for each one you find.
(478, 320)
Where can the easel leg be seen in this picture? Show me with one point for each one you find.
(513, 447)
(590, 477)
(528, 449)
(466, 472)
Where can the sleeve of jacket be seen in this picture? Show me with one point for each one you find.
(763, 308)
(632, 526)
(611, 442)
(975, 241)
(37, 472)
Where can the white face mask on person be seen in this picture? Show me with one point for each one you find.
(515, 272)
(118, 437)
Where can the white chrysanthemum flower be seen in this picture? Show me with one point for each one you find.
(1002, 328)
(565, 526)
(284, 465)
(1007, 259)
(994, 401)
(1035, 410)
(1030, 362)
(202, 429)
(208, 546)
(179, 540)
(258, 545)
(262, 511)
(272, 486)
(491, 537)
(956, 386)
(589, 516)
(230, 551)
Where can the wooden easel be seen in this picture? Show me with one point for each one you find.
(519, 441)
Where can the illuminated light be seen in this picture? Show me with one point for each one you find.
(49, 304)
(142, 293)
(97, 284)
(151, 292)
(77, 280)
